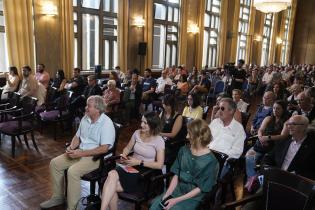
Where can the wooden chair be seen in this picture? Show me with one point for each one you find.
(20, 122)
(281, 190)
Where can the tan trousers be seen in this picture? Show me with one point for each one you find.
(76, 168)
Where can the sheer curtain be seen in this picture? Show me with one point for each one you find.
(19, 32)
(67, 37)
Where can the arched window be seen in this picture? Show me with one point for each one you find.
(95, 32)
(243, 27)
(3, 48)
(266, 38)
(211, 31)
(166, 16)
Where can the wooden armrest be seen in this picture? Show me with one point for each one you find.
(232, 205)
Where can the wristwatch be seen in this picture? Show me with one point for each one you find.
(141, 163)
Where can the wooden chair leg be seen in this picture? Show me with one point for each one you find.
(26, 142)
(13, 146)
(19, 139)
(33, 140)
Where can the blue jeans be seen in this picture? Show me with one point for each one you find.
(251, 161)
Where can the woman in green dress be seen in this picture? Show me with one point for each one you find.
(195, 171)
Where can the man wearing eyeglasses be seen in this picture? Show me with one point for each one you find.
(228, 134)
(296, 153)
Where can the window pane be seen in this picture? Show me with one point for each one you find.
(106, 54)
(115, 53)
(106, 5)
(205, 48)
(168, 55)
(110, 32)
(1, 5)
(176, 15)
(174, 1)
(158, 46)
(115, 6)
(75, 52)
(3, 52)
(74, 3)
(1, 21)
(170, 13)
(171, 29)
(110, 20)
(94, 4)
(160, 11)
(207, 20)
(75, 28)
(75, 16)
(90, 41)
(174, 55)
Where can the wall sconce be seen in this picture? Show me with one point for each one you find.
(49, 9)
(278, 40)
(139, 22)
(257, 38)
(193, 28)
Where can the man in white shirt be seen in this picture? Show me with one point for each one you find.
(228, 134)
(161, 82)
(96, 135)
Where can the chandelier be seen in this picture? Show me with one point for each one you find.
(271, 6)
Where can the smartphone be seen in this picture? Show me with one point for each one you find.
(162, 203)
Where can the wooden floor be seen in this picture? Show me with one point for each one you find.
(25, 179)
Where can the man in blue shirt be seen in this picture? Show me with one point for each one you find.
(96, 134)
(148, 87)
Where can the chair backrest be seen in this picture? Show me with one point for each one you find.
(221, 157)
(245, 118)
(284, 190)
(14, 99)
(28, 104)
(117, 133)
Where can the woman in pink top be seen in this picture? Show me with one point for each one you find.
(148, 147)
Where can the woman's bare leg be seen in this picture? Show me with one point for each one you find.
(110, 189)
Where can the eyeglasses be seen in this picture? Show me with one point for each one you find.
(293, 123)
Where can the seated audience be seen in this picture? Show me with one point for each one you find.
(172, 129)
(279, 91)
(148, 87)
(121, 75)
(60, 81)
(196, 170)
(241, 105)
(253, 81)
(29, 84)
(114, 76)
(305, 107)
(228, 134)
(161, 82)
(193, 109)
(76, 84)
(194, 77)
(183, 86)
(263, 111)
(269, 131)
(148, 152)
(111, 95)
(203, 86)
(295, 89)
(42, 75)
(78, 156)
(12, 82)
(132, 99)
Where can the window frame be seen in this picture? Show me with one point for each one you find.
(212, 58)
(166, 23)
(285, 42)
(80, 10)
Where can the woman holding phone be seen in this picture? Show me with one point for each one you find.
(148, 152)
(195, 172)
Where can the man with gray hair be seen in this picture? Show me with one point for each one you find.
(228, 134)
(296, 153)
(96, 135)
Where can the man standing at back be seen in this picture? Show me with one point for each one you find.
(96, 135)
(42, 75)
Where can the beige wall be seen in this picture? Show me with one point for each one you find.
(47, 37)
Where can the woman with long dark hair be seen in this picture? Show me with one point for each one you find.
(12, 82)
